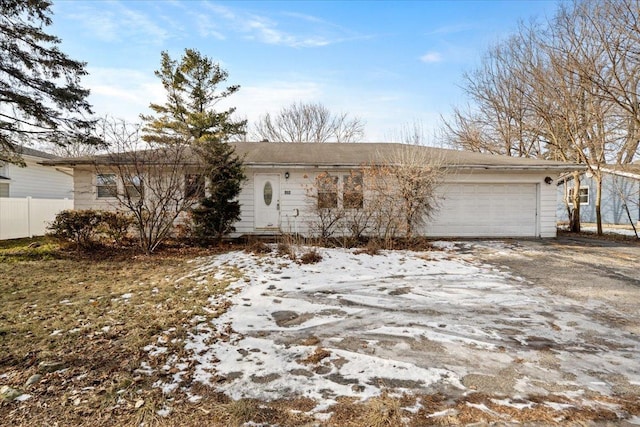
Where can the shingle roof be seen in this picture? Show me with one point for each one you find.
(629, 170)
(352, 154)
(26, 151)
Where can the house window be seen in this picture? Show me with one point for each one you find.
(352, 195)
(194, 186)
(133, 187)
(327, 191)
(584, 195)
(106, 185)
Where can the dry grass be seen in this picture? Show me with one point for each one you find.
(92, 315)
(316, 357)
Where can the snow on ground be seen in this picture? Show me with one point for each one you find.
(607, 229)
(425, 322)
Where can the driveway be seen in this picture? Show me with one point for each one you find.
(502, 328)
(584, 269)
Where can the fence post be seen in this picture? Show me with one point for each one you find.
(29, 217)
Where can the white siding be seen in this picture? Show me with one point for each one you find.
(85, 196)
(295, 211)
(39, 181)
(527, 203)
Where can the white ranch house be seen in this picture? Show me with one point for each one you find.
(482, 196)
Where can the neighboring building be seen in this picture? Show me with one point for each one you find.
(34, 179)
(32, 195)
(620, 201)
(482, 196)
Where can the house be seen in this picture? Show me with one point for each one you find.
(481, 195)
(34, 179)
(620, 199)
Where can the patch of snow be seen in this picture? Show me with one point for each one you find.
(126, 296)
(144, 368)
(154, 350)
(57, 332)
(23, 397)
(164, 412)
(635, 420)
(167, 388)
(400, 320)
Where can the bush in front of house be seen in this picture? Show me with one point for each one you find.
(115, 225)
(84, 227)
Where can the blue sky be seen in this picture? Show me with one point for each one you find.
(389, 63)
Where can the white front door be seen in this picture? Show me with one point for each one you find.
(267, 201)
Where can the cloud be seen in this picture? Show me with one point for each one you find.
(118, 22)
(431, 57)
(252, 101)
(122, 93)
(303, 30)
(206, 27)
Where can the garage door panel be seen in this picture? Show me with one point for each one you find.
(489, 210)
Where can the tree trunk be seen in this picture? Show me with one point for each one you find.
(598, 178)
(574, 220)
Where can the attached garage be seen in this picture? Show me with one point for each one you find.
(487, 210)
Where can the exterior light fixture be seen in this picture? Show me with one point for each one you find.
(286, 175)
(548, 180)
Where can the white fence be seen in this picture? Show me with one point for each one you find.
(27, 217)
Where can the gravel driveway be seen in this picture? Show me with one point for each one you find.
(581, 268)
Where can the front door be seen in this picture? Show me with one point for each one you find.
(267, 201)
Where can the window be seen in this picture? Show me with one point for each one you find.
(194, 186)
(352, 195)
(133, 187)
(106, 185)
(584, 195)
(327, 191)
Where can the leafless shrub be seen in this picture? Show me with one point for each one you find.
(144, 179)
(259, 247)
(311, 257)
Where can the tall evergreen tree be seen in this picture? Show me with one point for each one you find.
(189, 116)
(216, 213)
(192, 86)
(40, 94)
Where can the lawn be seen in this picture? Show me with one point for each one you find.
(76, 325)
(189, 337)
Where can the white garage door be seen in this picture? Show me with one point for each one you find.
(486, 210)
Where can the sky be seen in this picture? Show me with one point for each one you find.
(391, 64)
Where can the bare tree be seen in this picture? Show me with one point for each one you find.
(145, 179)
(412, 133)
(500, 120)
(308, 122)
(564, 90)
(409, 180)
(386, 200)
